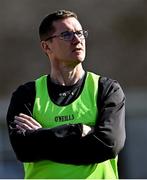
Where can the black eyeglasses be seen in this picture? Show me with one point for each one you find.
(69, 35)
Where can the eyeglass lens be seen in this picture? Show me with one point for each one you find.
(69, 35)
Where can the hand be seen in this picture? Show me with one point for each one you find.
(86, 130)
(24, 122)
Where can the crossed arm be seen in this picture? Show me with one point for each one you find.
(74, 144)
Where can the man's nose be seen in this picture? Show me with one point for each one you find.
(76, 39)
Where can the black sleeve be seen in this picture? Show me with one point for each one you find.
(104, 143)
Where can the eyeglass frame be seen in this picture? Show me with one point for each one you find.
(85, 35)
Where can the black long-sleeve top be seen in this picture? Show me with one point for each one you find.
(103, 143)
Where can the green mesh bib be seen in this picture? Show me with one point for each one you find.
(83, 110)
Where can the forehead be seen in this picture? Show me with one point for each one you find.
(70, 24)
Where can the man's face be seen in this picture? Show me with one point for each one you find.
(67, 52)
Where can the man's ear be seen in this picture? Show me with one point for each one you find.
(45, 47)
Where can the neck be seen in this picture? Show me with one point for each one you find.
(67, 76)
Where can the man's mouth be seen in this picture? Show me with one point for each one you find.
(77, 49)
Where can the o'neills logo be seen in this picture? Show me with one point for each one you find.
(64, 118)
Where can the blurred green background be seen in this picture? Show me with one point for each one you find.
(116, 47)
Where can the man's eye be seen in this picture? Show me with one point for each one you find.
(66, 34)
(79, 32)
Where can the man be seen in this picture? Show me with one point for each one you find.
(69, 124)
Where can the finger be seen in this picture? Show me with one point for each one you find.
(25, 122)
(22, 126)
(29, 118)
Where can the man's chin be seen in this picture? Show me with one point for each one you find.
(80, 58)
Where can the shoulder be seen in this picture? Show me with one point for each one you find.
(106, 83)
(110, 88)
(25, 91)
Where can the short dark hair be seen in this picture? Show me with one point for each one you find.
(46, 27)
